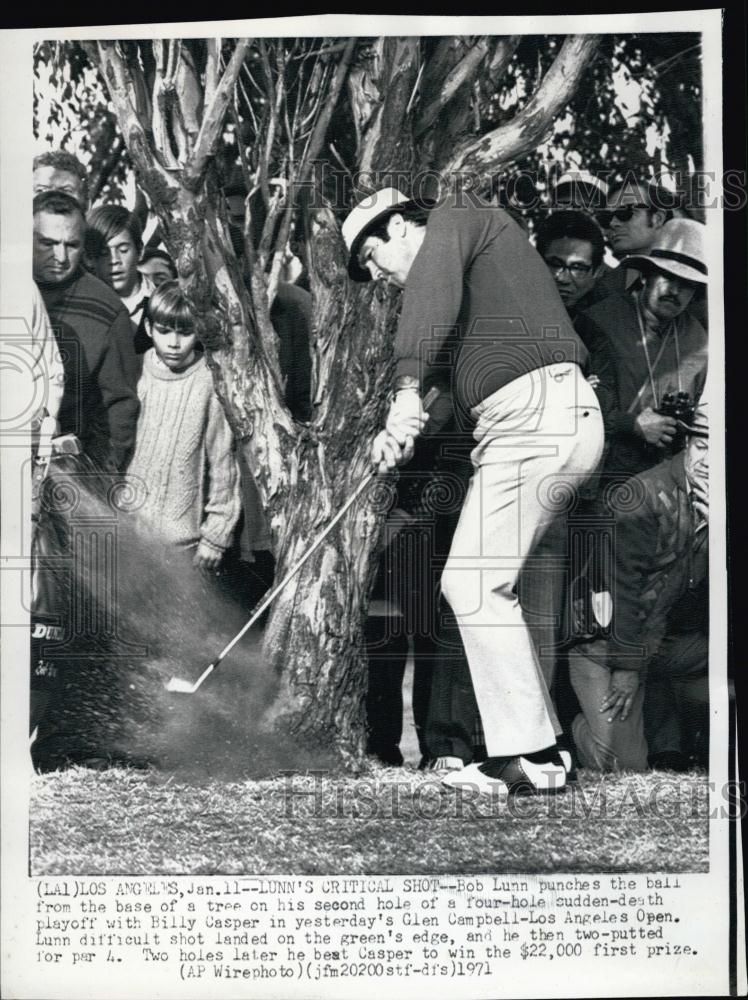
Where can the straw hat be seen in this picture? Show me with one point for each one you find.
(678, 249)
(370, 210)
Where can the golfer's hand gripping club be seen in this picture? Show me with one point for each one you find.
(407, 416)
(406, 420)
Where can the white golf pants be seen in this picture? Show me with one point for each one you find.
(539, 437)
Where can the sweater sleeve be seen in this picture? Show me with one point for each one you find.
(223, 503)
(118, 376)
(434, 291)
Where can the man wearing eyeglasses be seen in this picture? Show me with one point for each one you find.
(572, 246)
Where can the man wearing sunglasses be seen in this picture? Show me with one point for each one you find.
(634, 215)
(636, 212)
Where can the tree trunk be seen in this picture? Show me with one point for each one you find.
(313, 640)
(305, 473)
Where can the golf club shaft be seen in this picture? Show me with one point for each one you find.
(293, 571)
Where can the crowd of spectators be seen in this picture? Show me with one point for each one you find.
(588, 644)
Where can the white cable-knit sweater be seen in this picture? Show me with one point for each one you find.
(184, 461)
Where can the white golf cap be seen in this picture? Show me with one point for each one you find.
(370, 210)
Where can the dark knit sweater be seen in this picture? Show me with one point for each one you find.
(477, 276)
(94, 333)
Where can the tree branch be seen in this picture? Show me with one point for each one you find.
(213, 119)
(528, 128)
(321, 126)
(189, 94)
(386, 136)
(442, 60)
(123, 91)
(161, 105)
(463, 72)
(503, 52)
(212, 69)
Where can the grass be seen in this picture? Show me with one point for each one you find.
(218, 805)
(387, 821)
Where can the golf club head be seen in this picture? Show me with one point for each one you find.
(177, 686)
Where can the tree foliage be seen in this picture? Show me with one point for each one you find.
(640, 107)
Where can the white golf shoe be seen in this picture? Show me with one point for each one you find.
(510, 776)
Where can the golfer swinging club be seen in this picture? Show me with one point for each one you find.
(467, 267)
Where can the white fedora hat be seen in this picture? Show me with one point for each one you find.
(678, 249)
(372, 209)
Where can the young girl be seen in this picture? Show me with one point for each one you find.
(184, 463)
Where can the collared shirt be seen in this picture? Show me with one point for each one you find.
(137, 300)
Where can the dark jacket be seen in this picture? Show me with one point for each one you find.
(601, 362)
(616, 319)
(659, 559)
(94, 332)
(613, 281)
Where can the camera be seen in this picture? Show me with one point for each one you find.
(679, 406)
